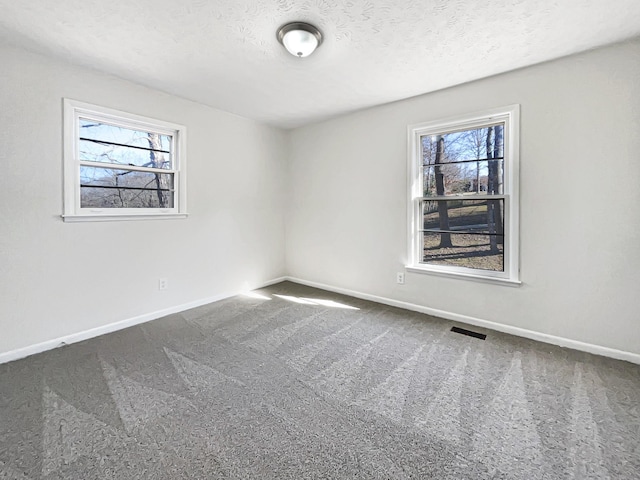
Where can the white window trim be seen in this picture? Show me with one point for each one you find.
(73, 212)
(510, 115)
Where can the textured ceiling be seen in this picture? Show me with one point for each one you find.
(224, 53)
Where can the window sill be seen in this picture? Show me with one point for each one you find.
(464, 276)
(122, 217)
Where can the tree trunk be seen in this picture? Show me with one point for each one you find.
(443, 213)
(157, 161)
(491, 189)
(497, 152)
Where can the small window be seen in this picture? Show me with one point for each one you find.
(120, 166)
(464, 196)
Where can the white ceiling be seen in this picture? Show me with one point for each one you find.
(224, 53)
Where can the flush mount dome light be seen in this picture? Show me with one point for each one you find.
(299, 38)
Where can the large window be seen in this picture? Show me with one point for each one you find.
(122, 166)
(464, 196)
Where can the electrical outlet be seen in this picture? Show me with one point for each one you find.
(400, 277)
(163, 284)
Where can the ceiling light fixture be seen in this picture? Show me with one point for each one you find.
(299, 38)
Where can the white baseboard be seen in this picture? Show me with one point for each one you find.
(270, 282)
(478, 322)
(130, 322)
(120, 325)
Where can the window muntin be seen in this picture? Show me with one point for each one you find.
(463, 196)
(122, 166)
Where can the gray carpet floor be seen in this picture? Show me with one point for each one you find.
(297, 383)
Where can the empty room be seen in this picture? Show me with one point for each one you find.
(320, 239)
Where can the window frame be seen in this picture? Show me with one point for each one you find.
(510, 116)
(72, 209)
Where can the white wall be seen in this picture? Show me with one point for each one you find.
(346, 217)
(580, 200)
(57, 278)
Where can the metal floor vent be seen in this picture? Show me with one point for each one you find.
(481, 336)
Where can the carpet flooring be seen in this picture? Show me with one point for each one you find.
(298, 383)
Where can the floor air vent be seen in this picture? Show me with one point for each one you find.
(481, 336)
